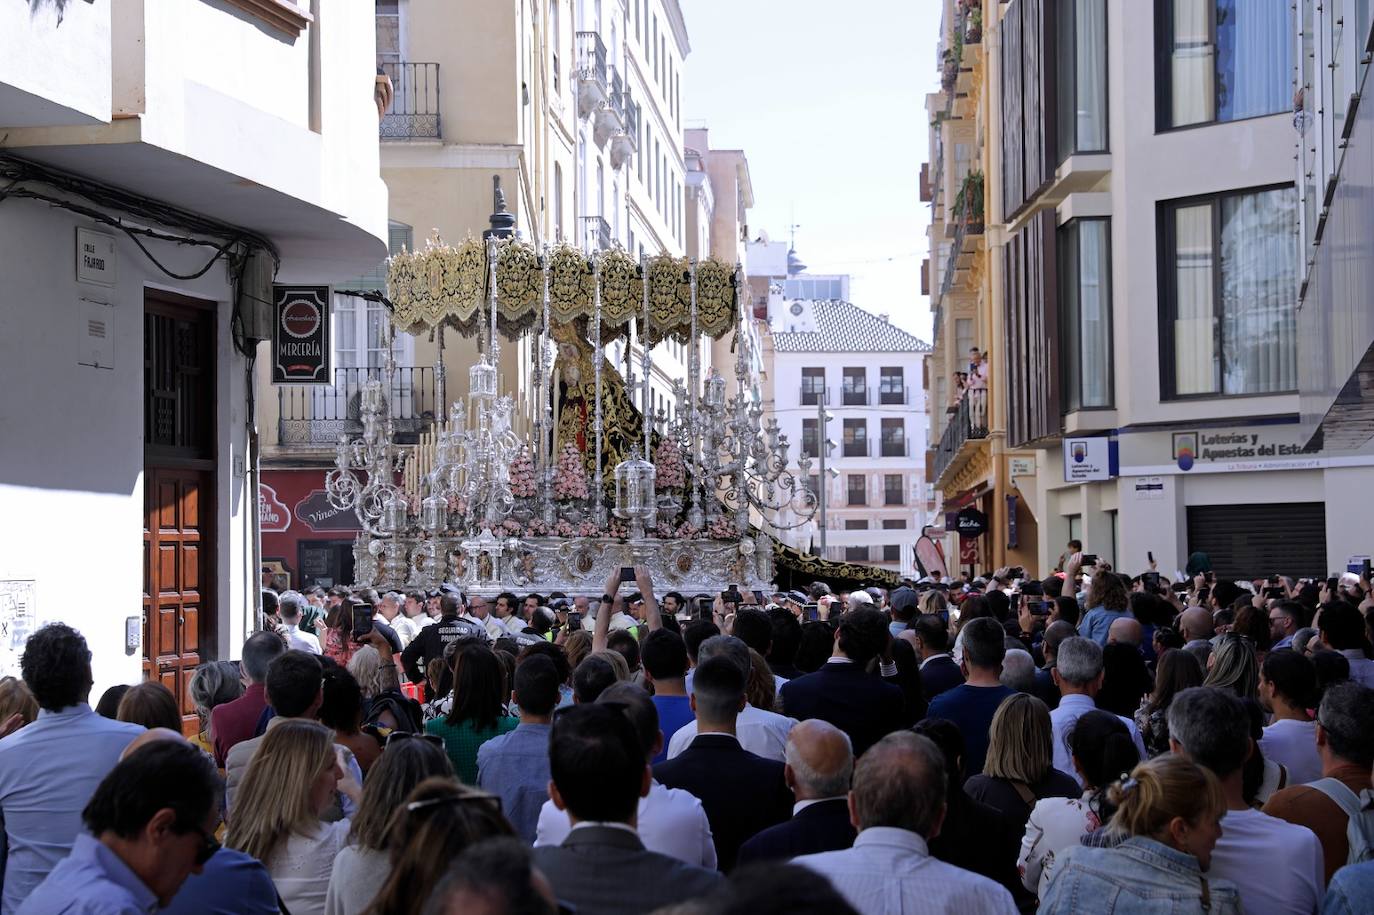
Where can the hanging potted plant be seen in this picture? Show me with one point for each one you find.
(973, 31)
(969, 204)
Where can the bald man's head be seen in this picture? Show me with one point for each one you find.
(1196, 623)
(152, 735)
(820, 760)
(1125, 630)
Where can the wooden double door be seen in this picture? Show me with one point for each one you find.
(178, 492)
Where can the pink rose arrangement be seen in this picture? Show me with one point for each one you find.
(670, 472)
(522, 475)
(570, 475)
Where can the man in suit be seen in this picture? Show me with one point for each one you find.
(819, 765)
(938, 670)
(843, 692)
(599, 774)
(743, 794)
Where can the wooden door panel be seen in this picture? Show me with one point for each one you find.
(190, 629)
(190, 568)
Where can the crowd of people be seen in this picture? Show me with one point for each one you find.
(1089, 742)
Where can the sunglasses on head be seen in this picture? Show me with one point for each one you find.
(398, 736)
(493, 799)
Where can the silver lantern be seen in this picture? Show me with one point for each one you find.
(634, 493)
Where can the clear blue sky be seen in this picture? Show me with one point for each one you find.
(828, 102)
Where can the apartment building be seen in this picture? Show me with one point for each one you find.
(1143, 222)
(1334, 160)
(161, 167)
(847, 382)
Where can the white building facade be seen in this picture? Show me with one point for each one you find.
(848, 382)
(160, 166)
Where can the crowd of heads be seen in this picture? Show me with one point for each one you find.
(435, 737)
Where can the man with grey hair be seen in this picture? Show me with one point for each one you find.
(290, 605)
(858, 599)
(819, 767)
(1078, 674)
(1345, 744)
(389, 612)
(897, 804)
(1018, 671)
(1210, 726)
(762, 732)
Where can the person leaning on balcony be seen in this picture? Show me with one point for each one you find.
(956, 391)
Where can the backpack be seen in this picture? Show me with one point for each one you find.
(1359, 831)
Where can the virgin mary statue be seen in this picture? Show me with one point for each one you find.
(622, 425)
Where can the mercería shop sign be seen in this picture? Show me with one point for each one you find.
(300, 334)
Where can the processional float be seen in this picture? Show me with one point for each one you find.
(596, 483)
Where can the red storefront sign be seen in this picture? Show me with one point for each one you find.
(968, 551)
(297, 522)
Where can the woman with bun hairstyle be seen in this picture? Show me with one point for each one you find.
(1167, 821)
(1102, 752)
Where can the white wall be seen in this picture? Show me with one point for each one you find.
(54, 64)
(71, 458)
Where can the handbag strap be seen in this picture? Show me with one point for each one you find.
(1025, 793)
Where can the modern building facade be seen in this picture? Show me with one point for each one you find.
(161, 167)
(1335, 169)
(1145, 260)
(848, 382)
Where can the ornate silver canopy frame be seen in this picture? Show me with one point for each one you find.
(476, 506)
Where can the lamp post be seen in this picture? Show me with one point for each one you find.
(823, 435)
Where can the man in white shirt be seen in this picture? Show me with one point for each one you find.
(1078, 674)
(671, 821)
(898, 803)
(389, 612)
(477, 607)
(289, 608)
(1276, 865)
(414, 609)
(760, 731)
(1287, 687)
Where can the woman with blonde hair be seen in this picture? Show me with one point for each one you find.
(1232, 666)
(1019, 769)
(364, 865)
(933, 602)
(577, 646)
(436, 823)
(289, 784)
(1168, 816)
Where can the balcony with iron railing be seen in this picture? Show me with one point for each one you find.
(592, 82)
(966, 222)
(967, 423)
(857, 447)
(625, 137)
(894, 394)
(314, 416)
(596, 234)
(854, 395)
(414, 110)
(894, 447)
(811, 396)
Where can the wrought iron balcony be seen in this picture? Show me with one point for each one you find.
(855, 396)
(856, 448)
(414, 110)
(316, 415)
(894, 394)
(968, 422)
(811, 397)
(592, 84)
(625, 138)
(596, 234)
(894, 447)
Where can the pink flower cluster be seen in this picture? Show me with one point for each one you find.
(522, 475)
(570, 475)
(670, 472)
(723, 528)
(510, 528)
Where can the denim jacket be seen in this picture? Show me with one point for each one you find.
(1138, 877)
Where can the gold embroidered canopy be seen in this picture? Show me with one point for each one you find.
(443, 284)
